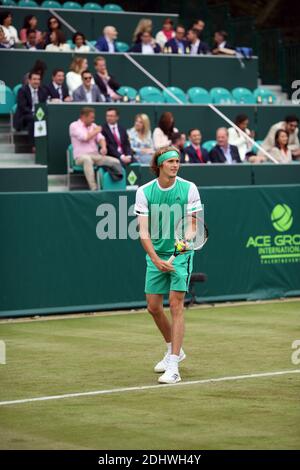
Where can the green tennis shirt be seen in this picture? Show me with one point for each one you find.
(164, 207)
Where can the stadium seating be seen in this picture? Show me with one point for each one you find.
(254, 148)
(151, 94)
(71, 6)
(92, 6)
(16, 89)
(106, 183)
(8, 3)
(127, 91)
(10, 99)
(51, 4)
(264, 95)
(198, 95)
(122, 46)
(112, 7)
(27, 4)
(243, 95)
(209, 144)
(220, 95)
(178, 92)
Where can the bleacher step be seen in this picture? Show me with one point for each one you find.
(57, 183)
(22, 158)
(7, 147)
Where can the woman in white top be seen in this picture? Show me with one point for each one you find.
(58, 42)
(281, 151)
(10, 32)
(140, 139)
(73, 78)
(238, 139)
(166, 34)
(80, 43)
(163, 133)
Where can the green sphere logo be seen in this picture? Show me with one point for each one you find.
(282, 218)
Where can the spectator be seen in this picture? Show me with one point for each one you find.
(30, 23)
(290, 125)
(39, 67)
(85, 136)
(195, 44)
(28, 96)
(10, 32)
(107, 42)
(117, 140)
(58, 42)
(147, 45)
(4, 44)
(163, 133)
(140, 139)
(73, 78)
(144, 25)
(223, 152)
(280, 151)
(178, 44)
(53, 24)
(57, 90)
(221, 46)
(106, 83)
(88, 92)
(166, 33)
(31, 42)
(199, 25)
(80, 43)
(178, 140)
(195, 153)
(241, 142)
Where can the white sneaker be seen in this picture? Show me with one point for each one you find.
(171, 376)
(162, 365)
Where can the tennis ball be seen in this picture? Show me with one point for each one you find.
(282, 217)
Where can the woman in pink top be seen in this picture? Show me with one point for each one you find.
(166, 33)
(30, 22)
(281, 151)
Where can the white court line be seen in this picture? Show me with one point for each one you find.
(150, 387)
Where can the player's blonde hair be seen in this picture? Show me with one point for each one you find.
(153, 164)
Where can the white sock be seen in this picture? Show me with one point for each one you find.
(173, 361)
(169, 346)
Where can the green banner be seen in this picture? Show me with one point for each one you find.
(54, 259)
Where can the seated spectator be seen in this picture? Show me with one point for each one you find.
(281, 150)
(4, 44)
(10, 32)
(199, 25)
(85, 137)
(195, 153)
(28, 96)
(31, 42)
(178, 44)
(117, 140)
(30, 23)
(39, 67)
(166, 33)
(221, 46)
(163, 133)
(178, 140)
(241, 142)
(106, 83)
(53, 24)
(107, 42)
(223, 152)
(147, 45)
(195, 44)
(58, 42)
(145, 24)
(140, 139)
(80, 43)
(87, 92)
(290, 125)
(73, 78)
(57, 90)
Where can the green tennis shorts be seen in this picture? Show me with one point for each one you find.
(159, 282)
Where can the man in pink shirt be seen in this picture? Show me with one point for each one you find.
(85, 137)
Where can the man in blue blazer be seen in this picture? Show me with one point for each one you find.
(195, 153)
(88, 92)
(57, 90)
(178, 44)
(107, 42)
(223, 152)
(195, 44)
(116, 137)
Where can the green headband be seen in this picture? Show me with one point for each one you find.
(167, 156)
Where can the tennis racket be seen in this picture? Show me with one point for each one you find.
(191, 234)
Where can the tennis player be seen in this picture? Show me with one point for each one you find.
(172, 192)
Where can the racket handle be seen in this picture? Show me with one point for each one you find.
(171, 259)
